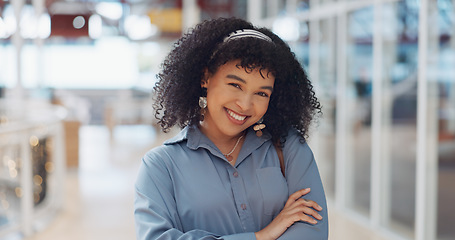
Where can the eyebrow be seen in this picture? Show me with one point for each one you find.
(243, 81)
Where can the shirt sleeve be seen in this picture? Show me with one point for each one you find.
(156, 216)
(302, 172)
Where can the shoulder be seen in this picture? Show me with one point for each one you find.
(163, 154)
(157, 164)
(155, 173)
(169, 149)
(294, 138)
(296, 146)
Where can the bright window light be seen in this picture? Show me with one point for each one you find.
(95, 26)
(139, 27)
(111, 10)
(3, 33)
(9, 22)
(287, 28)
(44, 29)
(33, 26)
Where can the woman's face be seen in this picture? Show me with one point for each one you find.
(236, 99)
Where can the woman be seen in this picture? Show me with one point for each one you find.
(242, 100)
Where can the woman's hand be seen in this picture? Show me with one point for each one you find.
(296, 209)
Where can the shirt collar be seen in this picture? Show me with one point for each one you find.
(196, 139)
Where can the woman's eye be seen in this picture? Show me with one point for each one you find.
(235, 85)
(263, 94)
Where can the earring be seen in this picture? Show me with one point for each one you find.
(203, 103)
(258, 127)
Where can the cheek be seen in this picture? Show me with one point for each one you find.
(262, 107)
(212, 100)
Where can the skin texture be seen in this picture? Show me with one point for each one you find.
(236, 100)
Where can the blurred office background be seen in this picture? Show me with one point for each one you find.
(75, 111)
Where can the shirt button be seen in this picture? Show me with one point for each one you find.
(236, 174)
(243, 206)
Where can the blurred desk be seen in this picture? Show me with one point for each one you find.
(32, 174)
(128, 111)
(72, 142)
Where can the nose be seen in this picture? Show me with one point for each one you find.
(245, 101)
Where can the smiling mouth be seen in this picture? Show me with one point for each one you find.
(235, 115)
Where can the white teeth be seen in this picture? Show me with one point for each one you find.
(235, 116)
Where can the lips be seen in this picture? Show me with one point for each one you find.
(235, 115)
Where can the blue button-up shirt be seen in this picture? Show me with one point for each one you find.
(186, 189)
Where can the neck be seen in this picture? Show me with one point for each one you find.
(224, 142)
(216, 136)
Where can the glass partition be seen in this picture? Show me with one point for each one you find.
(399, 115)
(386, 145)
(326, 86)
(359, 75)
(303, 5)
(442, 72)
(8, 64)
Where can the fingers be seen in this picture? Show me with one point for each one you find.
(296, 209)
(308, 203)
(306, 210)
(305, 218)
(303, 209)
(297, 195)
(311, 212)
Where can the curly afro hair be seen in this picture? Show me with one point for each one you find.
(292, 104)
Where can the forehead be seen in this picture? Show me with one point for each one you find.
(234, 67)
